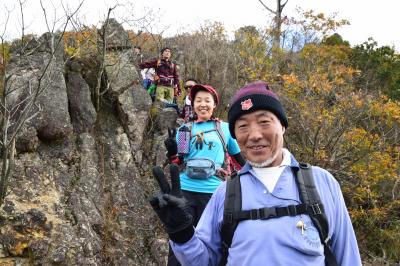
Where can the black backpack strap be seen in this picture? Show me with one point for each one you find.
(270, 212)
(233, 202)
(309, 195)
(220, 134)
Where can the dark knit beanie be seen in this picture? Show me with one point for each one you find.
(255, 96)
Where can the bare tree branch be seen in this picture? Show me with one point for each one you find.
(283, 5)
(104, 37)
(2, 36)
(266, 7)
(21, 3)
(45, 16)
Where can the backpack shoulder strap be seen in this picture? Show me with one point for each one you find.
(233, 202)
(190, 126)
(309, 195)
(221, 134)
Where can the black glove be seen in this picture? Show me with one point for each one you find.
(171, 207)
(170, 143)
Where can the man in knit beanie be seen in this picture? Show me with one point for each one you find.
(270, 222)
(256, 103)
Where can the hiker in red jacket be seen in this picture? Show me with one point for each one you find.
(167, 76)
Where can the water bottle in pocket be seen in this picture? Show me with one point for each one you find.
(183, 140)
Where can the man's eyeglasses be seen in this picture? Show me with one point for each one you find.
(188, 86)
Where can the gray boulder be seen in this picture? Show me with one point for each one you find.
(40, 72)
(27, 140)
(133, 111)
(82, 112)
(121, 71)
(53, 122)
(117, 37)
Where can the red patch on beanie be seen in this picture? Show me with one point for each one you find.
(247, 104)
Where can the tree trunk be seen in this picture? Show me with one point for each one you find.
(277, 27)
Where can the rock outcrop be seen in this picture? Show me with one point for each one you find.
(81, 180)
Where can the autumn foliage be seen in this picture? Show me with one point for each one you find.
(352, 133)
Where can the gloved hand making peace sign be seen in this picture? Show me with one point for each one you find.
(171, 207)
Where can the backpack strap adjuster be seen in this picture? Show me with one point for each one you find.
(255, 214)
(228, 217)
(316, 209)
(268, 213)
(291, 209)
(263, 214)
(327, 241)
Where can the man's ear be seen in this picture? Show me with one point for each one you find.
(283, 130)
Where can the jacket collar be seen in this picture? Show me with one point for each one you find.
(286, 187)
(293, 164)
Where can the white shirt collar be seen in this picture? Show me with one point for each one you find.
(286, 157)
(269, 176)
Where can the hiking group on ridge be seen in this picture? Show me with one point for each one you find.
(274, 211)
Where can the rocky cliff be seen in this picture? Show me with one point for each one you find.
(81, 178)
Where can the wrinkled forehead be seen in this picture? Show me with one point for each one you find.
(257, 114)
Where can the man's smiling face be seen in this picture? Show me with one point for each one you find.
(260, 138)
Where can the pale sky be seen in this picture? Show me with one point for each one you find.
(379, 19)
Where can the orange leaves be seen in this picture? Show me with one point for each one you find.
(149, 42)
(292, 85)
(290, 79)
(358, 137)
(387, 110)
(357, 101)
(80, 44)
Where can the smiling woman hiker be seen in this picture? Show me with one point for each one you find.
(206, 149)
